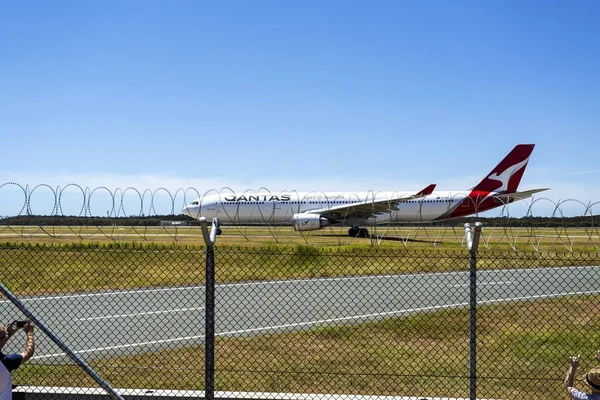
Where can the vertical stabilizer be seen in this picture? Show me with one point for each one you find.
(505, 177)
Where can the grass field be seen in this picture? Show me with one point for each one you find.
(78, 267)
(498, 238)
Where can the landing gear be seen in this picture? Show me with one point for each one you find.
(219, 231)
(358, 232)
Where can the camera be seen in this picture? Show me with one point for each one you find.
(21, 324)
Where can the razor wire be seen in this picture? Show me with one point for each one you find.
(107, 210)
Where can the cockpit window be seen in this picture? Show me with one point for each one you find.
(195, 203)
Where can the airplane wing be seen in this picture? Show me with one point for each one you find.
(369, 208)
(505, 198)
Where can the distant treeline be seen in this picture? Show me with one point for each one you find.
(45, 220)
(158, 220)
(539, 222)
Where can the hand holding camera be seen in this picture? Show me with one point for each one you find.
(15, 326)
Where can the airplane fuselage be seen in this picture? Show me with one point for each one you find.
(281, 208)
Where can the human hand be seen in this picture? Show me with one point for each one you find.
(28, 327)
(575, 362)
(598, 356)
(12, 328)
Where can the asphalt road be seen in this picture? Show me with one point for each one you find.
(132, 321)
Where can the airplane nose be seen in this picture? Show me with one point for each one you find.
(185, 211)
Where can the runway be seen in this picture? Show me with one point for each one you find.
(131, 321)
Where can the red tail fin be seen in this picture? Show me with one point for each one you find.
(507, 175)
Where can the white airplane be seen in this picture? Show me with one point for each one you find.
(309, 211)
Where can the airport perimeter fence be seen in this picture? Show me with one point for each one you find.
(73, 212)
(303, 320)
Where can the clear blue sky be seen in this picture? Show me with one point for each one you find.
(306, 95)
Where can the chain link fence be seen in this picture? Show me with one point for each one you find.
(303, 320)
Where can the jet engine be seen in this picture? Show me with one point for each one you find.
(309, 222)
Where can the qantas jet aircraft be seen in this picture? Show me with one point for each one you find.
(315, 210)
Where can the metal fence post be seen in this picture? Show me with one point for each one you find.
(209, 315)
(472, 244)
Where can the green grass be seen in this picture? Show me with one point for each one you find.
(523, 351)
(451, 237)
(38, 269)
(43, 268)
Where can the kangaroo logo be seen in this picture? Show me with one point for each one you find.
(505, 176)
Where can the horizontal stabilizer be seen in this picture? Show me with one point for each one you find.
(505, 198)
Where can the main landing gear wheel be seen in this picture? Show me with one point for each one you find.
(358, 232)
